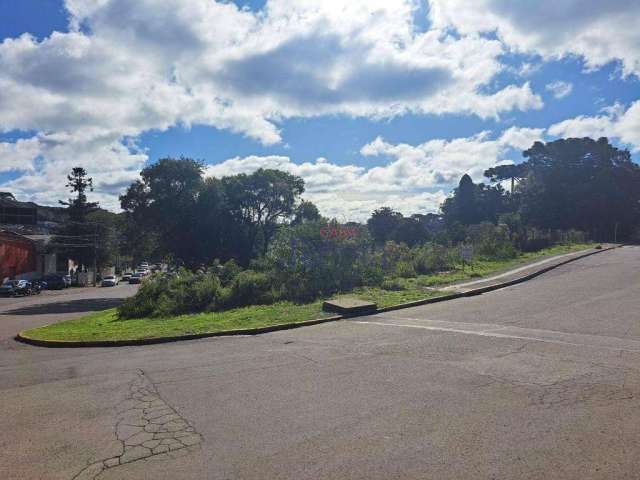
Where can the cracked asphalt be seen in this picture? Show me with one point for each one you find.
(536, 381)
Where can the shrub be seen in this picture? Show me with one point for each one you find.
(248, 288)
(161, 295)
(305, 263)
(392, 284)
(373, 275)
(405, 269)
(491, 241)
(229, 271)
(432, 258)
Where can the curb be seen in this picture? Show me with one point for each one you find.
(490, 288)
(152, 341)
(288, 326)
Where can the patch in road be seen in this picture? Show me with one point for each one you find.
(147, 426)
(502, 331)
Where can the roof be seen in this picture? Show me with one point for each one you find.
(8, 201)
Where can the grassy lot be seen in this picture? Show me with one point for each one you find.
(106, 325)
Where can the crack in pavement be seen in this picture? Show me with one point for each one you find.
(146, 426)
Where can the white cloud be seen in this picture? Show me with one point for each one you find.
(414, 180)
(112, 165)
(18, 156)
(559, 89)
(598, 31)
(126, 67)
(616, 122)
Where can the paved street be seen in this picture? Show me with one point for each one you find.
(536, 381)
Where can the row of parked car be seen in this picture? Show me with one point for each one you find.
(51, 281)
(143, 270)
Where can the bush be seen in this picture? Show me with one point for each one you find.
(432, 258)
(305, 263)
(492, 242)
(162, 295)
(248, 288)
(405, 270)
(392, 284)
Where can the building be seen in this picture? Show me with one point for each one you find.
(18, 256)
(26, 230)
(17, 213)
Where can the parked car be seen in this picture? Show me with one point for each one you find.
(13, 288)
(137, 277)
(55, 281)
(126, 276)
(109, 281)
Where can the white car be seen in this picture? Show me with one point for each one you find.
(110, 281)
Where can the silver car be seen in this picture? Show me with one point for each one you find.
(110, 281)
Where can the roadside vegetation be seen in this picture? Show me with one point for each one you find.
(250, 243)
(109, 325)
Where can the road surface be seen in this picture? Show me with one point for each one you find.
(537, 381)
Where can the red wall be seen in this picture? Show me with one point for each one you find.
(17, 256)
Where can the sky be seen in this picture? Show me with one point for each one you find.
(371, 102)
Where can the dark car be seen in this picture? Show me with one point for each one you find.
(13, 288)
(55, 281)
(136, 277)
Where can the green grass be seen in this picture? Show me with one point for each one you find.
(105, 325)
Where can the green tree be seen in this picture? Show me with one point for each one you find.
(161, 206)
(583, 184)
(507, 172)
(77, 236)
(260, 202)
(383, 224)
(306, 212)
(471, 203)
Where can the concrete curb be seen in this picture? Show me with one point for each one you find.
(490, 288)
(20, 337)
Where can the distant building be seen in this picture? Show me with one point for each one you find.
(17, 213)
(18, 256)
(26, 229)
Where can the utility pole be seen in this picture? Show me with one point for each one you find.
(615, 233)
(95, 256)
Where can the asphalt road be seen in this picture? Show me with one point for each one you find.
(536, 381)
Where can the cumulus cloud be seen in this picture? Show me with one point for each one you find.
(117, 164)
(345, 192)
(414, 180)
(126, 67)
(559, 89)
(598, 31)
(615, 121)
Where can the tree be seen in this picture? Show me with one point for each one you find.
(260, 202)
(507, 172)
(581, 183)
(78, 235)
(383, 224)
(471, 204)
(161, 206)
(306, 212)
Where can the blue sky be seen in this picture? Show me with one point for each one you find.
(269, 97)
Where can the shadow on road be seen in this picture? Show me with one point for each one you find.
(83, 305)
